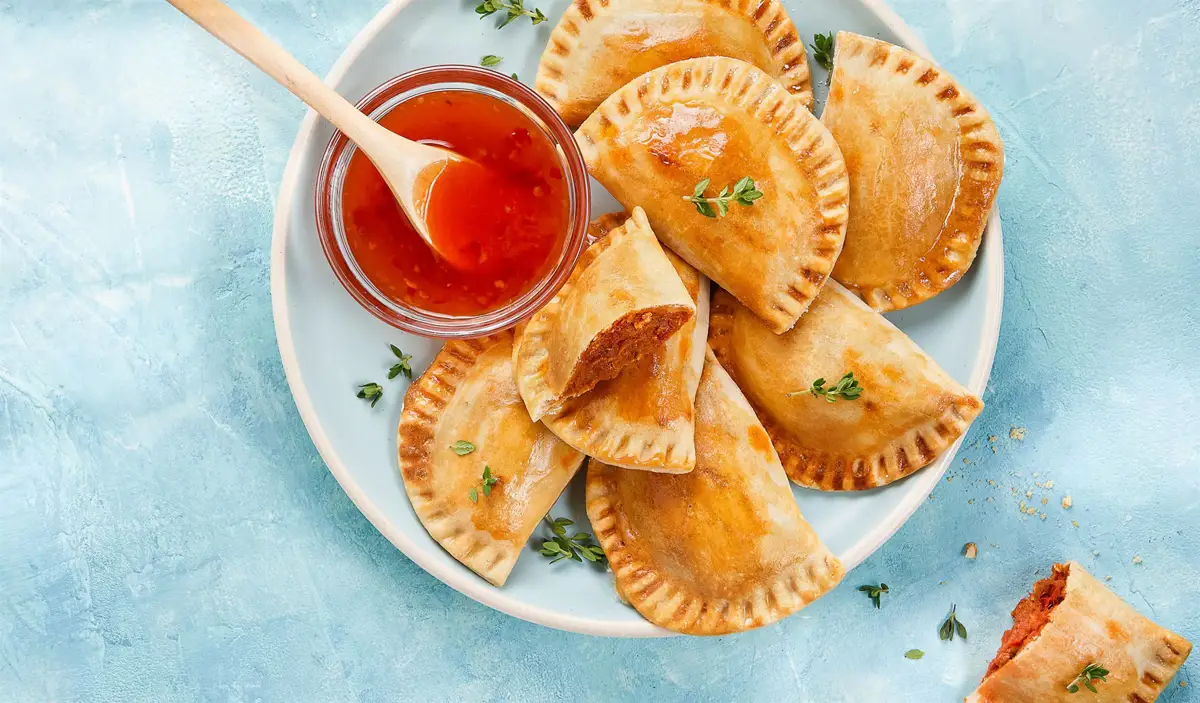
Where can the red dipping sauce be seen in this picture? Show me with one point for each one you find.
(505, 224)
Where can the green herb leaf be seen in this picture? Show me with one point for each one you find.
(490, 60)
(822, 47)
(1090, 673)
(952, 626)
(578, 547)
(462, 447)
(370, 391)
(847, 388)
(402, 366)
(914, 654)
(874, 592)
(515, 77)
(744, 193)
(473, 495)
(488, 480)
(513, 9)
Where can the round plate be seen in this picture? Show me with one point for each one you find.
(330, 345)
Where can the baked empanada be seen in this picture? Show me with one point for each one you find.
(644, 418)
(469, 394)
(600, 45)
(623, 300)
(925, 163)
(654, 140)
(1071, 621)
(909, 410)
(721, 549)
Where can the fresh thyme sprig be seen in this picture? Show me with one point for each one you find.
(1090, 673)
(822, 47)
(874, 592)
(576, 547)
(401, 367)
(370, 391)
(488, 481)
(952, 626)
(513, 9)
(847, 388)
(744, 193)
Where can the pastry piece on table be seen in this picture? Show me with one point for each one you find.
(1070, 623)
(902, 414)
(600, 45)
(925, 163)
(721, 549)
(623, 300)
(721, 120)
(461, 417)
(644, 418)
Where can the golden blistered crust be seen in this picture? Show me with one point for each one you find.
(644, 418)
(1090, 625)
(721, 549)
(600, 45)
(721, 119)
(910, 411)
(623, 300)
(468, 393)
(915, 229)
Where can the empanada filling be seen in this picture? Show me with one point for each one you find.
(1031, 615)
(623, 343)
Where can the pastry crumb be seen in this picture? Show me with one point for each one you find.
(1137, 559)
(966, 460)
(1036, 474)
(1028, 494)
(988, 499)
(991, 483)
(993, 438)
(1031, 510)
(1075, 523)
(1182, 683)
(1042, 515)
(970, 551)
(949, 479)
(1095, 553)
(1017, 433)
(970, 501)
(1045, 501)
(1066, 502)
(1108, 578)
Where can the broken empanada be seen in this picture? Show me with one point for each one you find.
(622, 301)
(644, 418)
(468, 395)
(925, 163)
(600, 45)
(1068, 623)
(653, 141)
(909, 410)
(721, 549)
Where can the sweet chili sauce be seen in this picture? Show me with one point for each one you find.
(502, 225)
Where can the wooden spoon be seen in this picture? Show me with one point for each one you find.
(409, 168)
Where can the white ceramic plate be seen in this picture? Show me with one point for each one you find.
(330, 345)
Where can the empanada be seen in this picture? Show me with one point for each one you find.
(909, 410)
(644, 418)
(925, 163)
(721, 549)
(1071, 621)
(623, 300)
(600, 45)
(653, 141)
(468, 394)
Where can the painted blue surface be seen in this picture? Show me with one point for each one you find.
(167, 531)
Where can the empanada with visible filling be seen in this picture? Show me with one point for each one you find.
(721, 119)
(644, 418)
(1068, 622)
(622, 301)
(925, 163)
(600, 45)
(468, 393)
(908, 413)
(721, 549)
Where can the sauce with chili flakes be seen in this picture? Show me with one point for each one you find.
(502, 227)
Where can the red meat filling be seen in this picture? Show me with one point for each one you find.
(1031, 615)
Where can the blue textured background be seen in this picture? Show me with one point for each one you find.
(168, 532)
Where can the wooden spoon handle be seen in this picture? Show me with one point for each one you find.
(244, 38)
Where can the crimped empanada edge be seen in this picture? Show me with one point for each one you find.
(982, 153)
(424, 402)
(743, 86)
(669, 604)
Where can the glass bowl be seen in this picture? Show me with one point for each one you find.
(332, 173)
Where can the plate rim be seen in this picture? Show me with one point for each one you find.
(467, 583)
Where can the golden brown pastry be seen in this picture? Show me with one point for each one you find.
(600, 45)
(655, 139)
(721, 549)
(909, 410)
(925, 163)
(644, 418)
(623, 300)
(468, 394)
(1071, 621)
